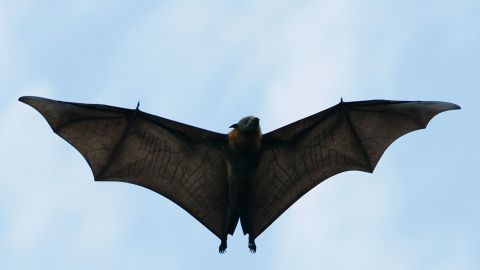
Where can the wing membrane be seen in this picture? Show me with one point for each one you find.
(348, 136)
(183, 163)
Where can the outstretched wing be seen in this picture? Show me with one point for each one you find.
(348, 136)
(183, 163)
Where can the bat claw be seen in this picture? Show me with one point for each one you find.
(252, 247)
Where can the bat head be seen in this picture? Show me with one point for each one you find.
(248, 124)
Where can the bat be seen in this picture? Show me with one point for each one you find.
(240, 177)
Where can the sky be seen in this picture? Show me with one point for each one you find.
(208, 64)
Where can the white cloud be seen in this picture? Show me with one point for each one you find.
(319, 60)
(345, 217)
(27, 221)
(4, 46)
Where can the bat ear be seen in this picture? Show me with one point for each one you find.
(234, 126)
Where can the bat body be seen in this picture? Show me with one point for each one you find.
(221, 179)
(244, 144)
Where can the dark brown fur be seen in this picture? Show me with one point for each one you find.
(244, 148)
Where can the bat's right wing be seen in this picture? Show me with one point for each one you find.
(348, 136)
(181, 162)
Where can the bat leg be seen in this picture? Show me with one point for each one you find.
(229, 228)
(223, 245)
(251, 243)
(247, 228)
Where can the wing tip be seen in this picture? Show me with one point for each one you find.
(25, 99)
(456, 107)
(448, 106)
(439, 106)
(30, 100)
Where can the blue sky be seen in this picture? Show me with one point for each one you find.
(209, 64)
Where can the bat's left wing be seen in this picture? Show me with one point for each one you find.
(181, 162)
(348, 136)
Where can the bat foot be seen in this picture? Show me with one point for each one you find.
(252, 246)
(223, 247)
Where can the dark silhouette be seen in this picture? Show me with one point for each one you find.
(223, 178)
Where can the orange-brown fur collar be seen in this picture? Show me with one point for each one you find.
(244, 142)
